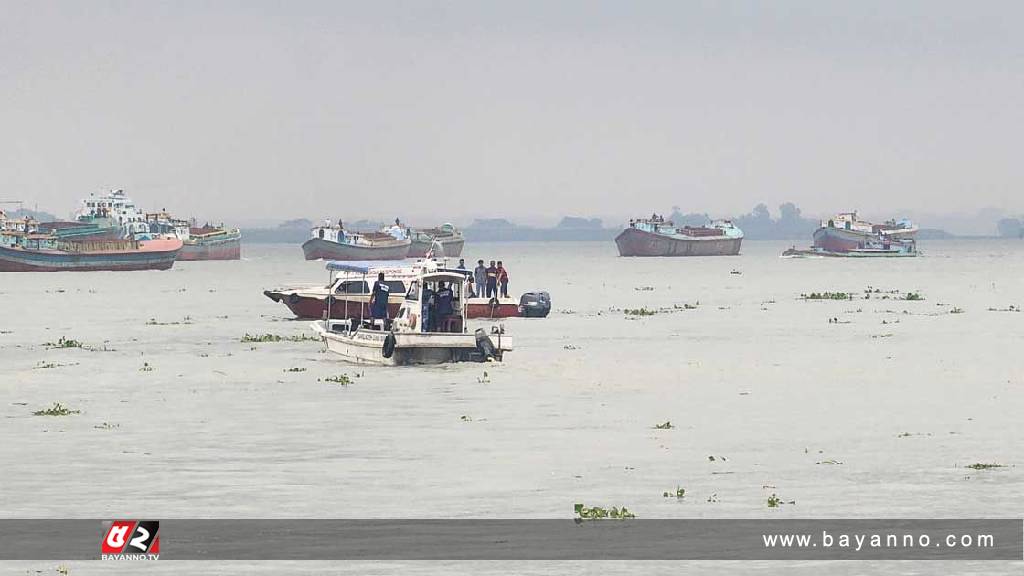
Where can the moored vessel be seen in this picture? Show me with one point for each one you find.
(28, 250)
(329, 242)
(846, 235)
(212, 243)
(425, 241)
(207, 242)
(115, 215)
(657, 237)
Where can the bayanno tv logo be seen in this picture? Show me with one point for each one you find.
(131, 540)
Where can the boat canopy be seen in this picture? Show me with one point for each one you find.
(446, 275)
(362, 267)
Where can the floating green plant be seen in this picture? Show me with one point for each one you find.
(153, 322)
(913, 296)
(146, 367)
(106, 426)
(57, 409)
(295, 369)
(957, 310)
(48, 365)
(259, 338)
(63, 342)
(680, 492)
(827, 296)
(598, 513)
(667, 425)
(774, 501)
(639, 312)
(981, 466)
(339, 379)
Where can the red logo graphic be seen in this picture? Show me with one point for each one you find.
(131, 540)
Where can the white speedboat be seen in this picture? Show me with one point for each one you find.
(418, 334)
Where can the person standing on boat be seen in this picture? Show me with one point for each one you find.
(427, 309)
(480, 277)
(492, 280)
(443, 309)
(503, 279)
(379, 301)
(462, 264)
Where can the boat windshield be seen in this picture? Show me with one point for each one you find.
(363, 287)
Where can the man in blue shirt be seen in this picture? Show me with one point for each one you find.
(443, 308)
(379, 301)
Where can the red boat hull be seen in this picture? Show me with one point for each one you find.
(633, 242)
(308, 307)
(223, 250)
(319, 249)
(487, 310)
(150, 255)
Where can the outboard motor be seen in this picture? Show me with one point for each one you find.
(535, 305)
(484, 344)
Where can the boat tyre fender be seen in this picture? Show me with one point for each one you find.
(412, 320)
(293, 298)
(388, 350)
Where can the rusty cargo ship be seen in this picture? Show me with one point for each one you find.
(658, 237)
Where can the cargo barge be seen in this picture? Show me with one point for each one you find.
(845, 235)
(658, 237)
(329, 242)
(425, 239)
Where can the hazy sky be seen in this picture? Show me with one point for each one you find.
(447, 110)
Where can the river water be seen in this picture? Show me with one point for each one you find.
(875, 415)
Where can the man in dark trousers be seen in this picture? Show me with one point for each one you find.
(428, 309)
(492, 280)
(379, 301)
(480, 277)
(443, 307)
(503, 280)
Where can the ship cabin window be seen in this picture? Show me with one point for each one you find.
(363, 287)
(352, 287)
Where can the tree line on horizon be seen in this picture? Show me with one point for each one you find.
(758, 224)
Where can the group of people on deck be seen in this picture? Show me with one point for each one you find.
(488, 281)
(437, 306)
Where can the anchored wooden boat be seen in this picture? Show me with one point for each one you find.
(426, 241)
(335, 243)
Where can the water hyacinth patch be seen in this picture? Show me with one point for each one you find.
(57, 409)
(598, 513)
